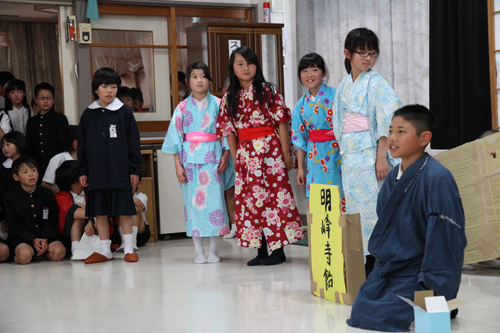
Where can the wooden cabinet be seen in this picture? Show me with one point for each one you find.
(211, 42)
(148, 188)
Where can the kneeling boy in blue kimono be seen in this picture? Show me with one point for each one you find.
(419, 239)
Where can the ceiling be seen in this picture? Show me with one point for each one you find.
(27, 13)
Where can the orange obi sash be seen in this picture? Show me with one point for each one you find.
(321, 135)
(255, 132)
(200, 137)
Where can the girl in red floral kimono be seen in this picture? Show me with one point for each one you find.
(254, 118)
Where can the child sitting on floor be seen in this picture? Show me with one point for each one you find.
(31, 216)
(71, 205)
(140, 228)
(69, 140)
(419, 239)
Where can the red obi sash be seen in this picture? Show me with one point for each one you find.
(321, 135)
(255, 132)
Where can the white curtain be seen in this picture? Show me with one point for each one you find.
(401, 25)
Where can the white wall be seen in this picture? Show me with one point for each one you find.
(497, 47)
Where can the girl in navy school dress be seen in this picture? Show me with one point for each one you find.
(109, 162)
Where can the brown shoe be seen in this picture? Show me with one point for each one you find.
(95, 257)
(131, 257)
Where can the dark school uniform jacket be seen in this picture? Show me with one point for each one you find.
(108, 161)
(418, 243)
(7, 183)
(42, 137)
(24, 212)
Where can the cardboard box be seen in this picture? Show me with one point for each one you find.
(432, 313)
(335, 247)
(477, 174)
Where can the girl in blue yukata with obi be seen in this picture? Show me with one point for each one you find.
(202, 163)
(362, 113)
(312, 126)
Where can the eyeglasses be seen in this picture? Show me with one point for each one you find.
(46, 98)
(366, 54)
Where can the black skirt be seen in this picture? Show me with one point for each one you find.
(113, 202)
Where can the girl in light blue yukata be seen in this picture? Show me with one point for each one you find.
(312, 134)
(362, 113)
(202, 163)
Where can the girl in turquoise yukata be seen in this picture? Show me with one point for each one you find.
(202, 163)
(362, 113)
(312, 126)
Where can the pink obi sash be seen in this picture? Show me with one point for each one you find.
(321, 135)
(200, 137)
(355, 122)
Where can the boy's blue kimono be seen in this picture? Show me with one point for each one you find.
(418, 243)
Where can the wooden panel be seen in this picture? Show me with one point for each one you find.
(219, 53)
(153, 126)
(131, 46)
(172, 40)
(225, 30)
(133, 10)
(211, 12)
(266, 31)
(147, 188)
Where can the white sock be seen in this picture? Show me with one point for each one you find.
(213, 252)
(232, 234)
(135, 230)
(74, 245)
(106, 250)
(493, 263)
(122, 243)
(129, 244)
(199, 251)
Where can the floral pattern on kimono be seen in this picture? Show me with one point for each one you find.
(203, 193)
(372, 96)
(322, 158)
(264, 201)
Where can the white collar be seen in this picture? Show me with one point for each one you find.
(7, 163)
(400, 171)
(113, 106)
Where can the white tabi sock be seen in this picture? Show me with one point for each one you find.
(135, 230)
(213, 252)
(106, 250)
(122, 244)
(129, 244)
(74, 245)
(232, 234)
(199, 251)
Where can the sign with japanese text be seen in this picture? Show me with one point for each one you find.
(233, 45)
(325, 245)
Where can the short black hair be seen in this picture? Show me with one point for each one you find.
(125, 91)
(359, 38)
(106, 76)
(198, 65)
(312, 60)
(68, 136)
(23, 160)
(45, 86)
(137, 94)
(13, 85)
(419, 116)
(181, 76)
(18, 140)
(66, 175)
(5, 77)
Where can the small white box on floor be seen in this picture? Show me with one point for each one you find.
(432, 313)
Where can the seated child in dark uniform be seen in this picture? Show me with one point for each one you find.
(140, 228)
(31, 214)
(419, 239)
